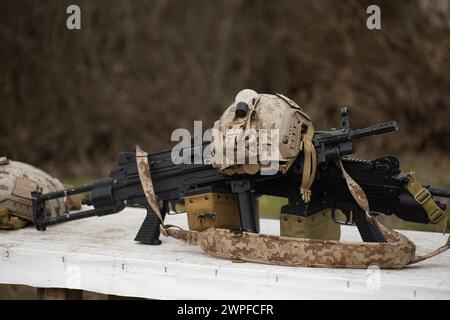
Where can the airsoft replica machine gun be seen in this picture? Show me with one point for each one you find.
(223, 200)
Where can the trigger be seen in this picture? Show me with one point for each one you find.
(173, 205)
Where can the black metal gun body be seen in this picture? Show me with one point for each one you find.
(381, 179)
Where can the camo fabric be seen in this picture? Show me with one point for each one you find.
(357, 192)
(190, 237)
(266, 112)
(9, 222)
(305, 252)
(146, 180)
(397, 253)
(286, 251)
(279, 126)
(17, 181)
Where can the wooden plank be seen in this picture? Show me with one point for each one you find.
(99, 255)
(59, 294)
(114, 297)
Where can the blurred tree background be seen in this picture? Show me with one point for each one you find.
(70, 101)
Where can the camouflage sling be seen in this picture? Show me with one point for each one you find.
(397, 253)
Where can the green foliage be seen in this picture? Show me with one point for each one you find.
(270, 207)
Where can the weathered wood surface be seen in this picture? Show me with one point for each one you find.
(99, 254)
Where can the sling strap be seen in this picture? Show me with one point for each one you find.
(424, 198)
(416, 189)
(356, 191)
(309, 164)
(146, 181)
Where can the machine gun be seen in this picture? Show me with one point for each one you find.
(381, 179)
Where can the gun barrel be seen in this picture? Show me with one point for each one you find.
(374, 130)
(69, 217)
(445, 193)
(66, 192)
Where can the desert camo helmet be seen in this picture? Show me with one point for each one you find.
(17, 181)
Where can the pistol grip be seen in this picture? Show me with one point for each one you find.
(248, 221)
(370, 232)
(149, 231)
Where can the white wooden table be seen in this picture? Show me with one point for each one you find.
(99, 255)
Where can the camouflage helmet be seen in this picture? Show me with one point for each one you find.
(17, 181)
(267, 112)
